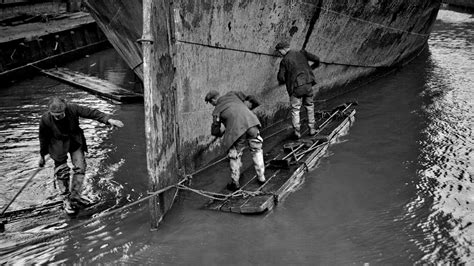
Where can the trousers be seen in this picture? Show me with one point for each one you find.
(254, 141)
(296, 102)
(67, 187)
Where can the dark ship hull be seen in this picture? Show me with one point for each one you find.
(181, 49)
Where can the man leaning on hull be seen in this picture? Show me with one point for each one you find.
(242, 128)
(296, 73)
(60, 134)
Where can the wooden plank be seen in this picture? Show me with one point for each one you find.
(258, 204)
(93, 84)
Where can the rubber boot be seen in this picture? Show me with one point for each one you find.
(235, 164)
(311, 120)
(77, 198)
(259, 165)
(255, 145)
(295, 116)
(61, 174)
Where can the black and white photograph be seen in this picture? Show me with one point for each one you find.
(237, 132)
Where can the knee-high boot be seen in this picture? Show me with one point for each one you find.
(235, 164)
(311, 120)
(257, 157)
(61, 175)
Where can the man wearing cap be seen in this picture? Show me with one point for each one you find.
(233, 110)
(298, 76)
(60, 134)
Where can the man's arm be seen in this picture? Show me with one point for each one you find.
(95, 114)
(282, 73)
(216, 127)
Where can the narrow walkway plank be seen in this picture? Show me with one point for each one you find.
(280, 182)
(93, 84)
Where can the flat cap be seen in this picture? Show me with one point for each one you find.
(282, 45)
(211, 95)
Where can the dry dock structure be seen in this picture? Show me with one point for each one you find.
(63, 37)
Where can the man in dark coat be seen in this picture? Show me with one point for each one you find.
(60, 134)
(298, 76)
(233, 110)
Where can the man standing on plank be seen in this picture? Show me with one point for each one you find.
(298, 76)
(233, 110)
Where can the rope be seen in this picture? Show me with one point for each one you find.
(323, 62)
(223, 197)
(273, 55)
(367, 21)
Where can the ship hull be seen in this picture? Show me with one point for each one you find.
(228, 45)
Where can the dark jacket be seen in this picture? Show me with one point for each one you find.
(295, 71)
(56, 142)
(236, 116)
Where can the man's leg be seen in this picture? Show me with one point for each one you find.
(309, 105)
(61, 175)
(295, 114)
(255, 145)
(235, 154)
(79, 170)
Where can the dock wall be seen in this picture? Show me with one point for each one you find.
(460, 3)
(11, 8)
(48, 49)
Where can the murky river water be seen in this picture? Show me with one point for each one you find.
(397, 189)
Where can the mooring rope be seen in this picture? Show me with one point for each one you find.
(208, 194)
(323, 62)
(273, 55)
(367, 21)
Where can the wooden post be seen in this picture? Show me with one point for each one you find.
(160, 110)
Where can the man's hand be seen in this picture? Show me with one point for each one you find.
(41, 161)
(115, 123)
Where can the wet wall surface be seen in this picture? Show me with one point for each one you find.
(228, 46)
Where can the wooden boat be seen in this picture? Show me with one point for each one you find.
(181, 49)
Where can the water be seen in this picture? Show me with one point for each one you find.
(397, 189)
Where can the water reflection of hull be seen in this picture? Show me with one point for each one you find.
(189, 47)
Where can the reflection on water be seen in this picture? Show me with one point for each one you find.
(110, 150)
(446, 163)
(397, 189)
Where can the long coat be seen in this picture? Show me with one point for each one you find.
(237, 118)
(295, 71)
(57, 143)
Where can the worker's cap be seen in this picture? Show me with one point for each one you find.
(282, 45)
(56, 105)
(211, 95)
